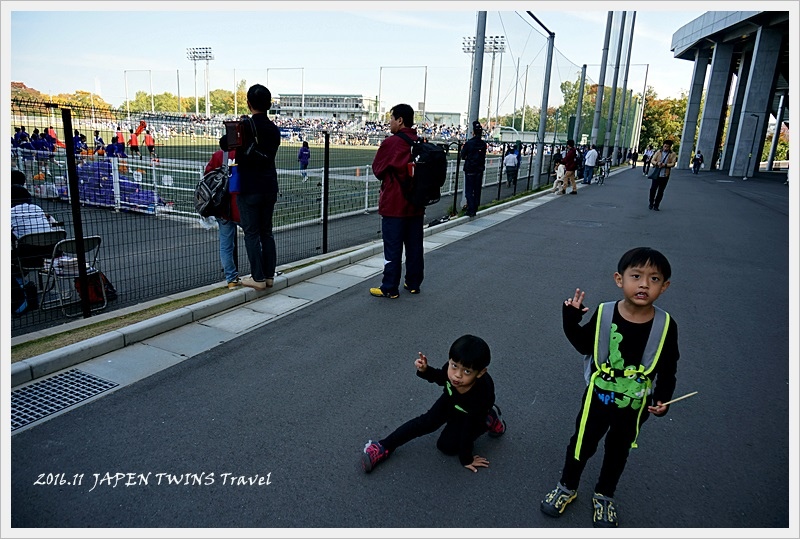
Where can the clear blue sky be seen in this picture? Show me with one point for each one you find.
(340, 46)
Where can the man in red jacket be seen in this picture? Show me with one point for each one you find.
(570, 164)
(401, 221)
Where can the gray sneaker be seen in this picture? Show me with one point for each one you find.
(557, 500)
(605, 513)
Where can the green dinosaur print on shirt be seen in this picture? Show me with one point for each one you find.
(630, 390)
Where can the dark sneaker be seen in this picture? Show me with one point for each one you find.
(373, 454)
(497, 427)
(411, 290)
(605, 513)
(378, 293)
(557, 500)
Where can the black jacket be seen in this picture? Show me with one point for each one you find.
(257, 172)
(474, 155)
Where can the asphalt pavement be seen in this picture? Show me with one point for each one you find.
(255, 417)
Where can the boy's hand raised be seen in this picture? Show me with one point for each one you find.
(477, 461)
(421, 363)
(577, 300)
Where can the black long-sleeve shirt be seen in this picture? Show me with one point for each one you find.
(631, 347)
(467, 411)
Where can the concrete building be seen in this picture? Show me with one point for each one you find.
(748, 81)
(331, 106)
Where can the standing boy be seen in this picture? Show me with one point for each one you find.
(629, 345)
(466, 407)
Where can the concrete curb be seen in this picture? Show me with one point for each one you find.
(35, 367)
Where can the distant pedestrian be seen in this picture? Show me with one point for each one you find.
(634, 158)
(466, 407)
(570, 164)
(304, 156)
(648, 154)
(511, 162)
(697, 161)
(664, 160)
(589, 162)
(474, 155)
(632, 351)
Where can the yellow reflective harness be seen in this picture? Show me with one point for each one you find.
(602, 364)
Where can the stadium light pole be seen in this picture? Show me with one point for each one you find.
(302, 85)
(194, 54)
(424, 87)
(493, 44)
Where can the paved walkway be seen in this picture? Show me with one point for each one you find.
(286, 387)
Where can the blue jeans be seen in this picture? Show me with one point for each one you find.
(588, 172)
(227, 246)
(400, 232)
(256, 211)
(472, 191)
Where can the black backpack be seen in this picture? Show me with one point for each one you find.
(211, 196)
(429, 172)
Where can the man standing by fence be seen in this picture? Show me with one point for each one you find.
(258, 187)
(474, 155)
(401, 221)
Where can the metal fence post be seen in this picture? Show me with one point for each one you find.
(75, 204)
(325, 177)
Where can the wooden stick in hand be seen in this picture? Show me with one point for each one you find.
(679, 398)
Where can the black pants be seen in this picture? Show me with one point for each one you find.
(439, 414)
(620, 426)
(646, 166)
(657, 187)
(256, 212)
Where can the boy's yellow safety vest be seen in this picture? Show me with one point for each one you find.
(605, 368)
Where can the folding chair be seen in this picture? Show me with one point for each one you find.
(63, 272)
(32, 249)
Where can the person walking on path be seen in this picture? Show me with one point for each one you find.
(258, 186)
(648, 154)
(474, 155)
(466, 407)
(401, 221)
(664, 160)
(697, 161)
(589, 162)
(570, 164)
(629, 345)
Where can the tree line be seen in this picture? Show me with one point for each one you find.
(662, 119)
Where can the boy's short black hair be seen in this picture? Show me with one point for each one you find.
(405, 112)
(471, 352)
(260, 97)
(643, 256)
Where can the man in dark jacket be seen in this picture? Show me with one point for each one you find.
(474, 155)
(258, 187)
(401, 221)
